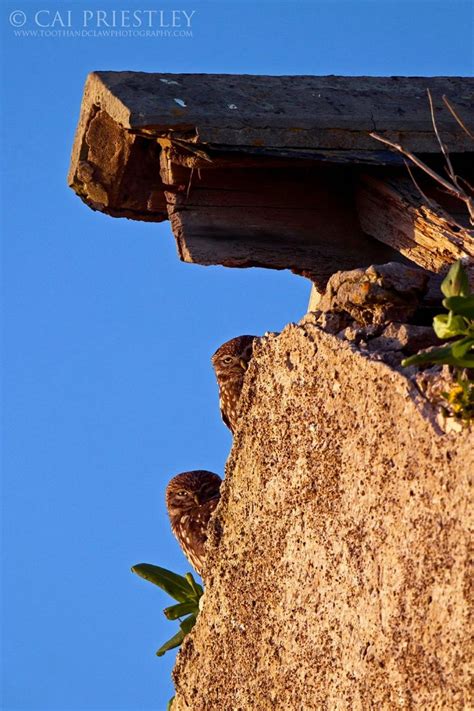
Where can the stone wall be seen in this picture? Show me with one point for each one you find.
(337, 573)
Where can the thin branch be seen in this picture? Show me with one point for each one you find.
(467, 183)
(189, 183)
(444, 150)
(418, 162)
(434, 205)
(457, 117)
(191, 148)
(454, 190)
(423, 195)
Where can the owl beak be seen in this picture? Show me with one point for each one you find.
(243, 364)
(196, 498)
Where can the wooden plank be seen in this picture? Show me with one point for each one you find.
(299, 219)
(327, 112)
(393, 211)
(245, 119)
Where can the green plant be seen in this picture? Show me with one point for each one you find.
(184, 589)
(457, 324)
(187, 593)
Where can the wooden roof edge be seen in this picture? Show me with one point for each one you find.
(327, 112)
(246, 186)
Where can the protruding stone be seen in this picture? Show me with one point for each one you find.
(408, 338)
(376, 295)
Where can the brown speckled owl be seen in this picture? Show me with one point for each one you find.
(191, 498)
(230, 362)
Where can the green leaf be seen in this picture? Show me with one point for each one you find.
(437, 355)
(175, 585)
(187, 624)
(182, 609)
(462, 305)
(456, 282)
(195, 586)
(443, 356)
(449, 325)
(172, 643)
(169, 705)
(466, 362)
(462, 347)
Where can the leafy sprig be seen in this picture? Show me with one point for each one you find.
(458, 323)
(184, 589)
(187, 593)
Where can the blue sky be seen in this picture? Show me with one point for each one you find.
(107, 385)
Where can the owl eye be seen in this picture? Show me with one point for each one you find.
(227, 360)
(182, 493)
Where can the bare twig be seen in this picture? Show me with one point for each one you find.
(434, 206)
(457, 117)
(466, 182)
(191, 148)
(416, 161)
(423, 195)
(444, 150)
(452, 189)
(188, 190)
(454, 185)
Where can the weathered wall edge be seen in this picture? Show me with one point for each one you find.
(337, 572)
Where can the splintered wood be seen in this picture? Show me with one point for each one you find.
(394, 212)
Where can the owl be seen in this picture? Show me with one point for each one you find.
(191, 498)
(230, 362)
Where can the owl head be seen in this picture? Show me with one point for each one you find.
(232, 358)
(188, 491)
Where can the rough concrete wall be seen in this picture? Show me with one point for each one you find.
(337, 565)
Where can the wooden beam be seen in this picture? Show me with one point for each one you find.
(290, 118)
(262, 171)
(326, 112)
(392, 210)
(303, 219)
